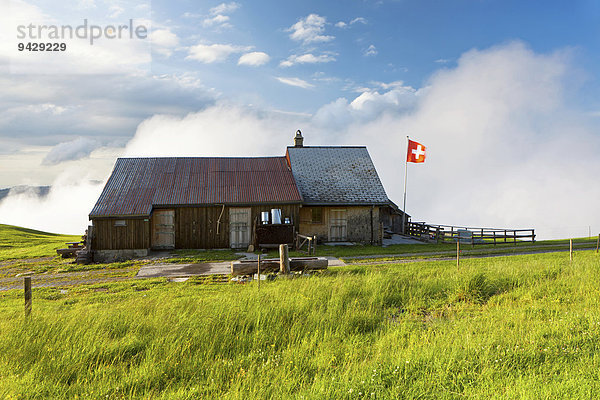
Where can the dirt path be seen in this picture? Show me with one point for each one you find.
(445, 256)
(493, 252)
(222, 268)
(27, 260)
(67, 278)
(172, 270)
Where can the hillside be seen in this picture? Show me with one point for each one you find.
(523, 326)
(23, 243)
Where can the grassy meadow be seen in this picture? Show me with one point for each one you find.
(19, 243)
(515, 327)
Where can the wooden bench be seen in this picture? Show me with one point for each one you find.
(71, 251)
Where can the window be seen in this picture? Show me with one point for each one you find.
(120, 222)
(317, 215)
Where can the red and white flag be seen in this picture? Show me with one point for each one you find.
(416, 152)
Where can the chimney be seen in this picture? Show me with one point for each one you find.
(298, 139)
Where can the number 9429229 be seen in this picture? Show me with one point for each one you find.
(34, 46)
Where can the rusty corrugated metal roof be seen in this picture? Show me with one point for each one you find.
(138, 184)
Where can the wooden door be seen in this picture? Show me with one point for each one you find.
(163, 229)
(338, 225)
(239, 227)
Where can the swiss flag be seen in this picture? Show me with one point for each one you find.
(416, 152)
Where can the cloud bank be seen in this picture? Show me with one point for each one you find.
(69, 151)
(507, 145)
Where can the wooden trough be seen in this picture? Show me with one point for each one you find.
(248, 267)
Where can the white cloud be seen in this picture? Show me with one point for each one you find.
(64, 210)
(247, 132)
(371, 51)
(368, 106)
(69, 151)
(496, 127)
(115, 11)
(254, 59)
(214, 52)
(163, 41)
(85, 4)
(397, 85)
(105, 56)
(50, 109)
(216, 20)
(343, 25)
(188, 14)
(307, 58)
(360, 20)
(310, 30)
(295, 82)
(218, 15)
(224, 8)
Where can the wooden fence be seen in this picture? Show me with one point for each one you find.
(310, 241)
(473, 236)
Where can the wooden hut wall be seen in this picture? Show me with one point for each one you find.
(119, 234)
(196, 227)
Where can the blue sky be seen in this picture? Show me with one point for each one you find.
(410, 39)
(496, 90)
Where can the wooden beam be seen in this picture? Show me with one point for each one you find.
(248, 267)
(284, 260)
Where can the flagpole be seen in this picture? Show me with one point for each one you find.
(405, 176)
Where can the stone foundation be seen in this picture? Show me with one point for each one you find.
(108, 256)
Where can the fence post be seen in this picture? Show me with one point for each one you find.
(458, 253)
(28, 301)
(515, 237)
(494, 232)
(533, 236)
(284, 261)
(258, 272)
(598, 243)
(570, 250)
(505, 236)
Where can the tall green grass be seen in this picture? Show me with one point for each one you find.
(509, 327)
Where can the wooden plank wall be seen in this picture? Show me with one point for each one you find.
(196, 227)
(134, 235)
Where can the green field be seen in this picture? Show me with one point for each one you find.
(524, 326)
(17, 243)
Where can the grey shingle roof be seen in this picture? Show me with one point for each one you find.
(336, 175)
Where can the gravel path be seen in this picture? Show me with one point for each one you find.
(66, 278)
(482, 252)
(170, 270)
